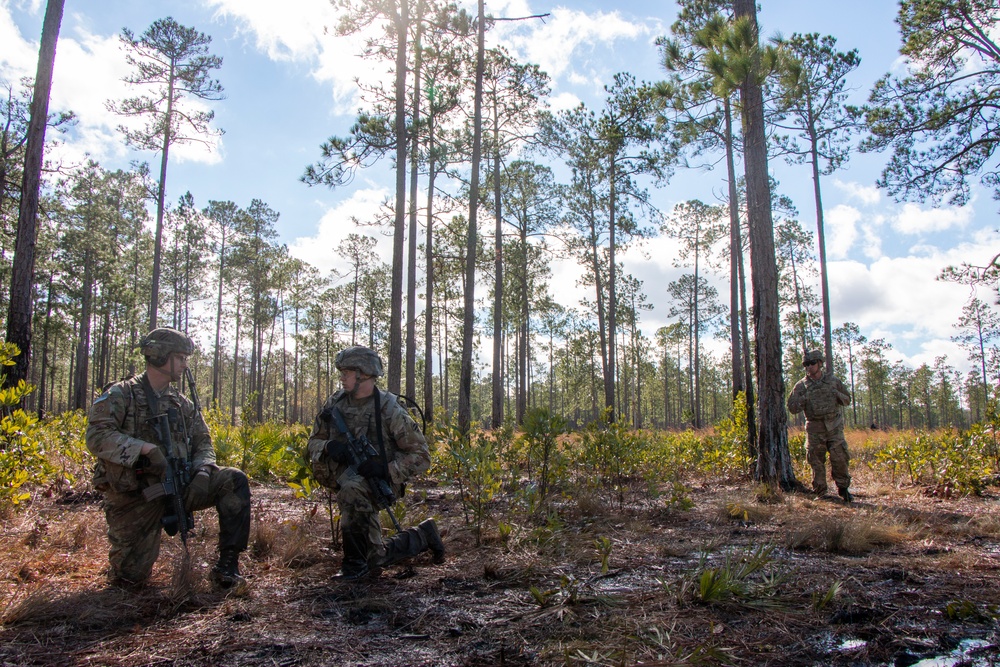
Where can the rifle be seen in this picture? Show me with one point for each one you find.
(175, 480)
(360, 450)
(194, 396)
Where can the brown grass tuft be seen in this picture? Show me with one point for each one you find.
(591, 504)
(182, 580)
(767, 493)
(29, 604)
(850, 535)
(747, 512)
(286, 542)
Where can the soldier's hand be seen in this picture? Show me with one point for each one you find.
(338, 450)
(197, 495)
(372, 469)
(157, 463)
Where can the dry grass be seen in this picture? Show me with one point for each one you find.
(746, 512)
(29, 603)
(853, 534)
(881, 569)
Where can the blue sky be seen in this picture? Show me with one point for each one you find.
(289, 86)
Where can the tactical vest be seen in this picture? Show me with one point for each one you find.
(135, 423)
(821, 399)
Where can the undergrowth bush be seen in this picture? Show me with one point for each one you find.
(473, 463)
(25, 461)
(950, 461)
(270, 451)
(520, 472)
(611, 456)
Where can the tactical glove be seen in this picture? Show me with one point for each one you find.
(157, 464)
(338, 451)
(372, 469)
(197, 495)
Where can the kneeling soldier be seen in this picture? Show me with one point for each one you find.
(364, 484)
(126, 434)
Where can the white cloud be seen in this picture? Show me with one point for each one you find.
(567, 34)
(901, 299)
(304, 31)
(872, 241)
(19, 56)
(868, 195)
(915, 220)
(88, 72)
(336, 223)
(286, 31)
(562, 102)
(841, 226)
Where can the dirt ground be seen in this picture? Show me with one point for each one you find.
(899, 577)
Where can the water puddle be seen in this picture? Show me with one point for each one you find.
(851, 645)
(967, 653)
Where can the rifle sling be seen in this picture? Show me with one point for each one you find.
(378, 432)
(151, 397)
(342, 425)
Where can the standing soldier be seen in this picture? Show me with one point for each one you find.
(821, 395)
(376, 416)
(125, 434)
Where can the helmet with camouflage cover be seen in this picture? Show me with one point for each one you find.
(159, 343)
(362, 359)
(813, 356)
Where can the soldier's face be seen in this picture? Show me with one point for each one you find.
(355, 383)
(176, 366)
(349, 379)
(815, 369)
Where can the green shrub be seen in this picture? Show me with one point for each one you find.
(65, 438)
(269, 450)
(470, 461)
(23, 458)
(728, 453)
(541, 435)
(612, 456)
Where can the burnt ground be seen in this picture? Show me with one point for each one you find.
(898, 577)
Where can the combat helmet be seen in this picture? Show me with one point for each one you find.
(362, 359)
(159, 343)
(811, 356)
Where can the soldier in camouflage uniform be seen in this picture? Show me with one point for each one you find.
(821, 395)
(403, 453)
(130, 458)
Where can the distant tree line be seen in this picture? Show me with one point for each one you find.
(268, 325)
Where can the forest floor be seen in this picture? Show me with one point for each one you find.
(899, 577)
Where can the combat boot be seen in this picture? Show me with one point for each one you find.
(403, 545)
(433, 539)
(414, 541)
(845, 494)
(354, 565)
(226, 572)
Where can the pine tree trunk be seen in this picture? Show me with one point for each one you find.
(465, 379)
(399, 227)
(774, 464)
(21, 305)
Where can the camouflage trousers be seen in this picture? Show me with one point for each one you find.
(821, 439)
(134, 529)
(357, 512)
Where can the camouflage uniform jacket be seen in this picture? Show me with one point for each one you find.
(118, 428)
(821, 399)
(405, 446)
